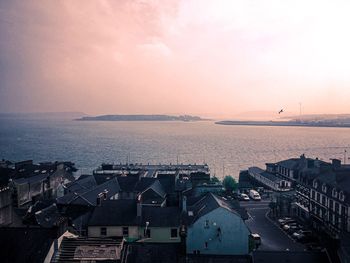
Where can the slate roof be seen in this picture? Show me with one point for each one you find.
(167, 182)
(115, 213)
(127, 183)
(339, 179)
(84, 182)
(292, 163)
(156, 187)
(151, 197)
(265, 174)
(205, 205)
(161, 216)
(144, 183)
(289, 257)
(32, 179)
(49, 217)
(89, 197)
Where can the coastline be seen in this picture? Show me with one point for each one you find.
(282, 124)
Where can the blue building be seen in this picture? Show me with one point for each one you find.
(215, 227)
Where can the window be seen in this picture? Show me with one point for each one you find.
(206, 245)
(334, 193)
(315, 184)
(324, 188)
(206, 224)
(337, 207)
(341, 196)
(173, 233)
(312, 194)
(103, 231)
(147, 233)
(125, 231)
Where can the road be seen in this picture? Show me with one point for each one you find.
(272, 237)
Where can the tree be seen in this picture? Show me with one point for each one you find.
(229, 183)
(214, 179)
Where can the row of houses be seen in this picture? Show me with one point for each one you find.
(321, 195)
(23, 183)
(163, 208)
(175, 206)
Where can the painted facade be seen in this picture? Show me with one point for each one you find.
(219, 232)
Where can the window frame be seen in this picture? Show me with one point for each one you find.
(172, 231)
(103, 231)
(125, 229)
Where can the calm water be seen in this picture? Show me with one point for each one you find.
(227, 149)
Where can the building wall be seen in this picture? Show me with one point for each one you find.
(5, 207)
(161, 235)
(233, 240)
(113, 231)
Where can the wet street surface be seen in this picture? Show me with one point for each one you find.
(272, 237)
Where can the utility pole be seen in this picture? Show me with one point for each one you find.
(223, 170)
(345, 156)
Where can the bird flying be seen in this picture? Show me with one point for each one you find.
(280, 111)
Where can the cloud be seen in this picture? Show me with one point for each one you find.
(216, 57)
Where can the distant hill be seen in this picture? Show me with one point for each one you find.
(42, 115)
(339, 118)
(312, 120)
(141, 118)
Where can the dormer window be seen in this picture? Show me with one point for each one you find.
(341, 196)
(334, 193)
(315, 184)
(324, 188)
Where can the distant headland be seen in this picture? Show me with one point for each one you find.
(141, 118)
(297, 123)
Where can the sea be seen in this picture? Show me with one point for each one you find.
(226, 149)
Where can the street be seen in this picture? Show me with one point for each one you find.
(272, 237)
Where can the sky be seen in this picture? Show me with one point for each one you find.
(210, 58)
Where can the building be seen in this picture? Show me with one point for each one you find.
(214, 227)
(269, 179)
(330, 201)
(115, 218)
(71, 248)
(30, 182)
(134, 221)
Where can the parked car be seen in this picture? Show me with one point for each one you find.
(244, 197)
(301, 233)
(305, 237)
(294, 228)
(281, 220)
(293, 225)
(286, 222)
(254, 195)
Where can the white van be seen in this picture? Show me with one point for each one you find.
(254, 195)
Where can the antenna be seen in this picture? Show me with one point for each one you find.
(345, 156)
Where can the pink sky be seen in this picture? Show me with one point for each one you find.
(211, 58)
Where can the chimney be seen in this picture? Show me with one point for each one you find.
(184, 203)
(139, 206)
(99, 199)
